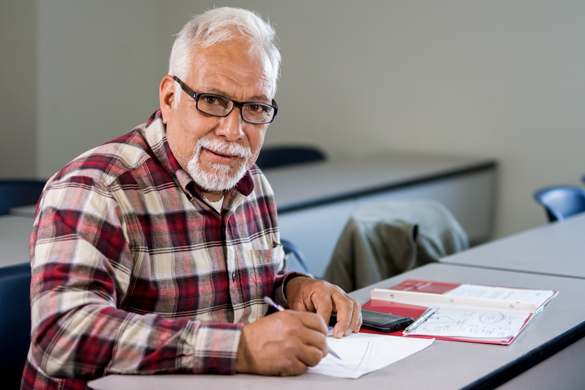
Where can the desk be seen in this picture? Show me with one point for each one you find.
(553, 249)
(315, 200)
(24, 211)
(14, 234)
(444, 365)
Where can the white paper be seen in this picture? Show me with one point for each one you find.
(475, 324)
(362, 353)
(512, 294)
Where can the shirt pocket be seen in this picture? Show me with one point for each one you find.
(267, 263)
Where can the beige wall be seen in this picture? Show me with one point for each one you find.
(499, 79)
(100, 63)
(18, 89)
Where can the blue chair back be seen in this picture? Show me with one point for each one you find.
(295, 259)
(14, 193)
(277, 156)
(14, 323)
(561, 202)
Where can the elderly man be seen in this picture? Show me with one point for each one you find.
(153, 252)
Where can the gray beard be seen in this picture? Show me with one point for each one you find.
(221, 177)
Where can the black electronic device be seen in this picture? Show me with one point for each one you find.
(381, 322)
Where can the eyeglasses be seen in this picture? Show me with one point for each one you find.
(216, 105)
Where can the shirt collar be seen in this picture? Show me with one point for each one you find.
(156, 136)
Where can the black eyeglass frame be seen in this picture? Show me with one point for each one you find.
(196, 97)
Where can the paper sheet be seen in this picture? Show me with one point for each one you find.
(362, 353)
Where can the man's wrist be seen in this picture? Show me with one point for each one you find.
(281, 297)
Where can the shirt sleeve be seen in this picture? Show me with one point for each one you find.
(279, 294)
(81, 268)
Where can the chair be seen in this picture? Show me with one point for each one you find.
(14, 193)
(278, 156)
(14, 322)
(561, 202)
(294, 258)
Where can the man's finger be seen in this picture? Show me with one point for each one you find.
(311, 355)
(323, 307)
(356, 319)
(347, 314)
(314, 322)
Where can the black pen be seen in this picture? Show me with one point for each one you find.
(280, 308)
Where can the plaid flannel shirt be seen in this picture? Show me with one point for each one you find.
(132, 272)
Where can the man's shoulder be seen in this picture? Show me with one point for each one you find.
(105, 163)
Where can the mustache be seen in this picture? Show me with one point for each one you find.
(224, 148)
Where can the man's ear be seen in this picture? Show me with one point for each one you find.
(166, 96)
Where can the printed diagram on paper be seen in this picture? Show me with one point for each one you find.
(473, 323)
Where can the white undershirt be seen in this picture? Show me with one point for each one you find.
(216, 205)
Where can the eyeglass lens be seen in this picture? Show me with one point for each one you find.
(251, 112)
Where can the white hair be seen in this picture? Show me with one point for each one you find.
(218, 25)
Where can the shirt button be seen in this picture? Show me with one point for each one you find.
(233, 276)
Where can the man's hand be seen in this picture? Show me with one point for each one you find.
(306, 294)
(284, 343)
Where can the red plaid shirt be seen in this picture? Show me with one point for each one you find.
(132, 272)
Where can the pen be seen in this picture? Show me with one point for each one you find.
(280, 308)
(425, 316)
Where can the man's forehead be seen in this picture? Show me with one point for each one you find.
(233, 64)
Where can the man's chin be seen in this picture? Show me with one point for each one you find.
(218, 179)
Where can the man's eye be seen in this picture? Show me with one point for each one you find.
(211, 100)
(258, 108)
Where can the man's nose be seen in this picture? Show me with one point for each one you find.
(232, 126)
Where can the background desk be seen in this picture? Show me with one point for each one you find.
(14, 235)
(24, 211)
(316, 200)
(553, 249)
(445, 364)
